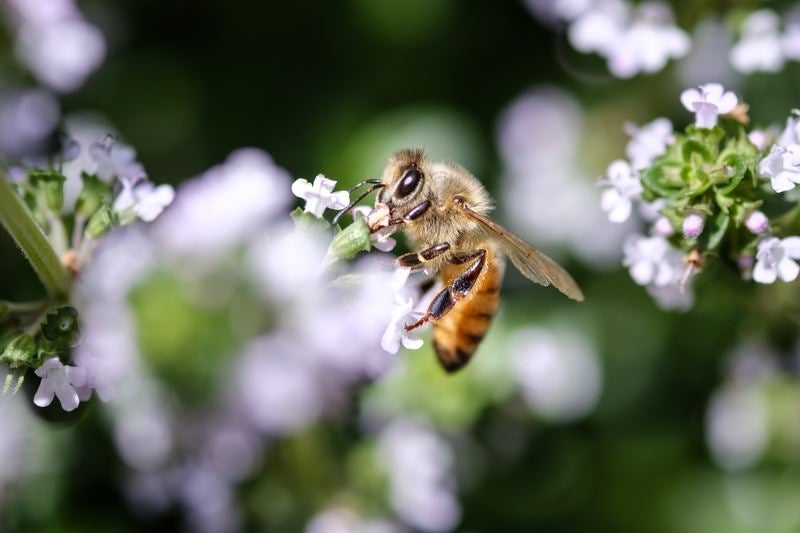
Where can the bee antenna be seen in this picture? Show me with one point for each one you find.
(376, 184)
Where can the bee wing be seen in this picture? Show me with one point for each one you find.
(532, 263)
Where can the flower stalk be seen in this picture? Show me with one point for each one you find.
(19, 223)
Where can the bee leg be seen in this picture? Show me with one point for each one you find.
(417, 259)
(460, 287)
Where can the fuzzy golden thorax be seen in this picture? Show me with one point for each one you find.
(410, 180)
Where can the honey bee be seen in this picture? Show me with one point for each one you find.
(443, 210)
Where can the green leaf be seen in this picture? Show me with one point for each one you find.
(693, 147)
(654, 178)
(719, 226)
(20, 352)
(351, 241)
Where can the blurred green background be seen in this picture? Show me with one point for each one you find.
(335, 87)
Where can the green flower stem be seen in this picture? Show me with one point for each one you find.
(18, 221)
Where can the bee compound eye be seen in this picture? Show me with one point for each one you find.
(408, 182)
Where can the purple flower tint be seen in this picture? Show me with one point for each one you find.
(693, 225)
(757, 222)
(707, 102)
(27, 118)
(61, 381)
(663, 227)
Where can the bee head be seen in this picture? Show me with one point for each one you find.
(404, 179)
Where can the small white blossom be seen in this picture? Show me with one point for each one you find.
(757, 222)
(648, 142)
(663, 227)
(708, 102)
(319, 196)
(61, 381)
(396, 334)
(598, 28)
(776, 258)
(115, 159)
(143, 199)
(782, 167)
(381, 239)
(791, 132)
(625, 187)
(761, 138)
(693, 225)
(651, 260)
(760, 47)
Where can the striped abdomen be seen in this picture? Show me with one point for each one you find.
(457, 334)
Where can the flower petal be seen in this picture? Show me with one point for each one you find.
(792, 247)
(764, 274)
(689, 97)
(44, 394)
(788, 269)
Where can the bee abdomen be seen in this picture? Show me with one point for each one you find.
(457, 335)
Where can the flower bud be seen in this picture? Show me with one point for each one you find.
(93, 194)
(51, 185)
(693, 225)
(757, 222)
(663, 227)
(100, 222)
(350, 241)
(61, 328)
(19, 352)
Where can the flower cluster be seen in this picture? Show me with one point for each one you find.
(762, 46)
(631, 39)
(115, 192)
(704, 194)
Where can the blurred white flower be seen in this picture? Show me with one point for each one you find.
(648, 142)
(782, 167)
(777, 258)
(27, 118)
(598, 28)
(790, 41)
(651, 260)
(559, 373)
(59, 381)
(791, 132)
(647, 43)
(624, 188)
(421, 483)
(345, 520)
(143, 199)
(539, 138)
(319, 196)
(711, 40)
(708, 102)
(662, 227)
(736, 426)
(61, 53)
(276, 386)
(761, 138)
(115, 159)
(226, 205)
(678, 295)
(759, 48)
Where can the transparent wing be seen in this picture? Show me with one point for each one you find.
(532, 263)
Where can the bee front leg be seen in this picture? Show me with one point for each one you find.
(460, 287)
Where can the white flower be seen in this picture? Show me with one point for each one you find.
(396, 334)
(761, 138)
(381, 239)
(711, 100)
(760, 47)
(625, 187)
(737, 429)
(649, 142)
(652, 260)
(319, 196)
(791, 132)
(115, 159)
(560, 374)
(782, 167)
(776, 259)
(59, 380)
(675, 296)
(143, 199)
(647, 43)
(663, 227)
(61, 53)
(598, 28)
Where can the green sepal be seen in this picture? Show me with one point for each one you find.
(100, 223)
(51, 186)
(307, 221)
(657, 177)
(351, 241)
(735, 169)
(21, 351)
(692, 147)
(61, 330)
(95, 192)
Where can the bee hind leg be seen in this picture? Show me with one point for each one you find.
(460, 287)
